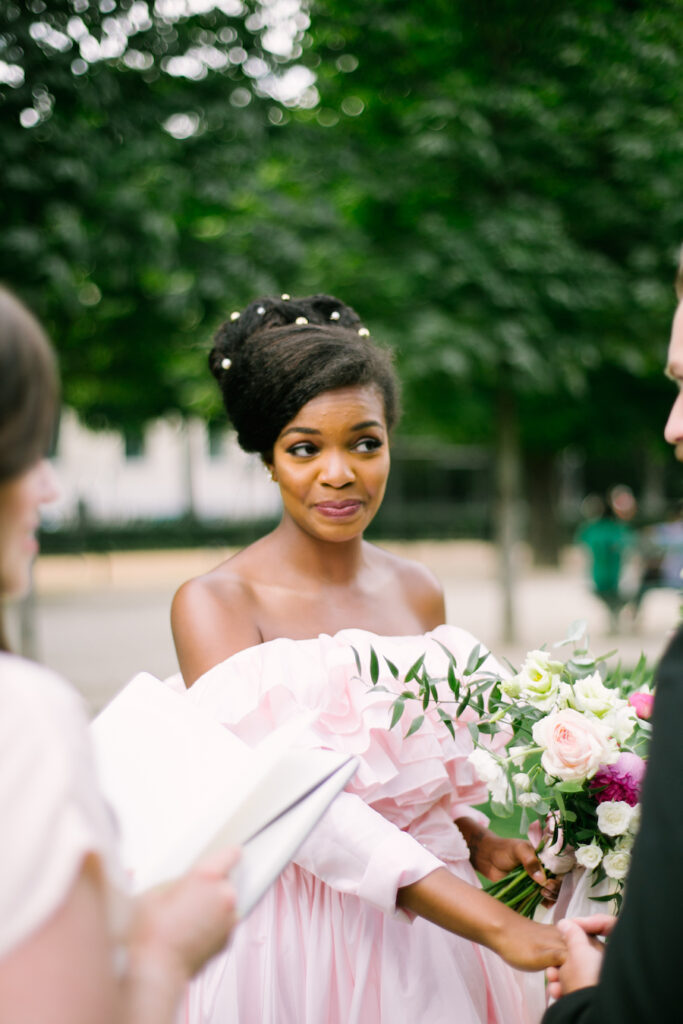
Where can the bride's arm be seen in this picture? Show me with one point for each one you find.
(458, 907)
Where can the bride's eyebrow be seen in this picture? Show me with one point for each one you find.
(299, 430)
(367, 423)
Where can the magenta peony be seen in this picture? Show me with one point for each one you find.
(621, 780)
(642, 702)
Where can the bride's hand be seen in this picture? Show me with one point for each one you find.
(530, 946)
(494, 857)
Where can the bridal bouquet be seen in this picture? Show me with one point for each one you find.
(574, 762)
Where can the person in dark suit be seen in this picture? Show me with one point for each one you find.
(638, 980)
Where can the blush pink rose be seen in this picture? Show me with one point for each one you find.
(574, 745)
(642, 703)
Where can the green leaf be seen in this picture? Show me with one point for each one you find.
(447, 721)
(453, 681)
(473, 731)
(392, 668)
(569, 787)
(356, 658)
(397, 711)
(463, 703)
(415, 725)
(474, 660)
(374, 665)
(415, 668)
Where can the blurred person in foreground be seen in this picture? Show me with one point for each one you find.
(74, 949)
(638, 980)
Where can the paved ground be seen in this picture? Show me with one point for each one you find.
(101, 618)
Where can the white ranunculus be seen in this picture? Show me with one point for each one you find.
(589, 856)
(614, 817)
(522, 782)
(528, 799)
(539, 680)
(574, 745)
(616, 864)
(591, 694)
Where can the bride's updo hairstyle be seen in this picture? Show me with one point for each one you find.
(279, 353)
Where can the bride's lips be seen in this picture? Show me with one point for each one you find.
(339, 509)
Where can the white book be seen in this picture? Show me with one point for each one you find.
(182, 785)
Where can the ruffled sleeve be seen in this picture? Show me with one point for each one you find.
(404, 784)
(51, 815)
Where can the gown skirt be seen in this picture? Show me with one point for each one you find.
(327, 944)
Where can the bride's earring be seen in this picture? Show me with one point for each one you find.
(270, 470)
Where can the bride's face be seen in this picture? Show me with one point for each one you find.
(20, 501)
(331, 463)
(673, 432)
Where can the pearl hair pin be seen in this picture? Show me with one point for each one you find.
(226, 363)
(260, 310)
(301, 320)
(285, 296)
(235, 315)
(364, 332)
(335, 314)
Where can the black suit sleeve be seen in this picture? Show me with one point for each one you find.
(642, 974)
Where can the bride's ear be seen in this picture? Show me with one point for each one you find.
(270, 470)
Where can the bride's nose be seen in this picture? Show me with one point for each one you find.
(673, 431)
(336, 469)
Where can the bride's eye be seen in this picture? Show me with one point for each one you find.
(302, 449)
(367, 444)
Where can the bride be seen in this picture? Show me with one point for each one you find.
(348, 934)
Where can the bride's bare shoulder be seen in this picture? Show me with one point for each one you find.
(215, 615)
(418, 584)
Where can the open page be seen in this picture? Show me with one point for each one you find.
(181, 784)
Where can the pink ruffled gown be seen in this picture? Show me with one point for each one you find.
(327, 945)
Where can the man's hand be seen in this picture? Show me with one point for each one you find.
(584, 954)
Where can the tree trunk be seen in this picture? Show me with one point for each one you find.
(542, 492)
(508, 476)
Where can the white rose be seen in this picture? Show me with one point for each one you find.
(574, 745)
(539, 680)
(522, 782)
(634, 823)
(589, 856)
(616, 864)
(591, 694)
(625, 842)
(614, 817)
